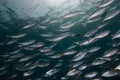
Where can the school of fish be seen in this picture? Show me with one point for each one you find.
(79, 45)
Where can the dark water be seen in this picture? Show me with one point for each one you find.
(14, 26)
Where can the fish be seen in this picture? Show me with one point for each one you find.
(73, 40)
(116, 35)
(54, 21)
(46, 35)
(13, 76)
(51, 72)
(106, 3)
(42, 27)
(45, 49)
(72, 46)
(115, 44)
(37, 45)
(76, 64)
(51, 52)
(111, 15)
(72, 72)
(117, 67)
(70, 52)
(72, 14)
(42, 63)
(60, 37)
(93, 20)
(82, 67)
(109, 73)
(58, 65)
(28, 73)
(80, 55)
(17, 36)
(93, 49)
(91, 75)
(29, 26)
(3, 67)
(96, 13)
(15, 56)
(12, 41)
(68, 26)
(110, 52)
(98, 62)
(26, 58)
(102, 34)
(86, 42)
(90, 33)
(26, 43)
(102, 26)
(56, 56)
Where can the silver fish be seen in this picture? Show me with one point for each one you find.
(96, 13)
(111, 15)
(37, 45)
(60, 37)
(51, 72)
(72, 72)
(3, 67)
(42, 63)
(109, 73)
(76, 64)
(106, 3)
(103, 25)
(98, 62)
(17, 36)
(12, 41)
(110, 52)
(79, 56)
(45, 49)
(82, 67)
(28, 73)
(68, 26)
(117, 35)
(69, 15)
(86, 42)
(26, 58)
(93, 49)
(56, 56)
(29, 26)
(26, 43)
(47, 35)
(70, 52)
(90, 33)
(91, 75)
(117, 67)
(102, 34)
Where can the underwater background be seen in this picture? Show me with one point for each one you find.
(59, 40)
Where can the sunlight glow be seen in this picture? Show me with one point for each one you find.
(56, 2)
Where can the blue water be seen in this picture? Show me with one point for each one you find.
(13, 26)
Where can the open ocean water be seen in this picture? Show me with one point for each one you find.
(60, 40)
